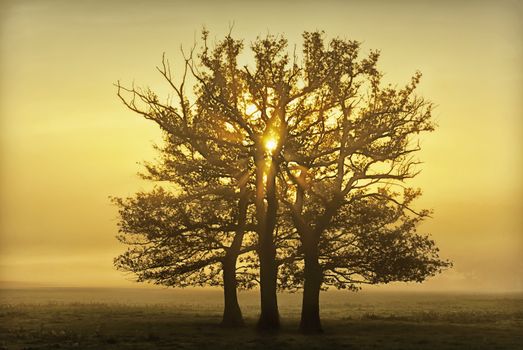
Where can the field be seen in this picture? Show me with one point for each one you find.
(52, 318)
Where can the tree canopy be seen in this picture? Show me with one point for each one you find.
(301, 159)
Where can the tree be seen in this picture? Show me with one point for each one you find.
(188, 238)
(212, 142)
(353, 141)
(242, 101)
(321, 135)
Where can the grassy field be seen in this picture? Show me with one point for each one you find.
(51, 318)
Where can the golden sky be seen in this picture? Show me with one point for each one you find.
(67, 142)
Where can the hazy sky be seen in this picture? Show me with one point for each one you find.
(67, 143)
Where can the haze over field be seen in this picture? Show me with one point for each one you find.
(67, 142)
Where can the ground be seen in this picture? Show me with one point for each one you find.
(151, 319)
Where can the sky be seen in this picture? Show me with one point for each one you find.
(67, 143)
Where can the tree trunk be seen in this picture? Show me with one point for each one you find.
(269, 317)
(232, 314)
(266, 214)
(310, 312)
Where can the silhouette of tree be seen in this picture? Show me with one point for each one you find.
(207, 172)
(321, 135)
(352, 141)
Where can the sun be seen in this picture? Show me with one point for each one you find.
(271, 144)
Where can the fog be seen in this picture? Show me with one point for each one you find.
(67, 142)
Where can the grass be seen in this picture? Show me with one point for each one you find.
(189, 320)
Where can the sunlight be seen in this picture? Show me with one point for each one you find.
(270, 144)
(229, 127)
(250, 109)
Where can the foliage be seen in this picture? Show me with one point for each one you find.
(322, 135)
(179, 240)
